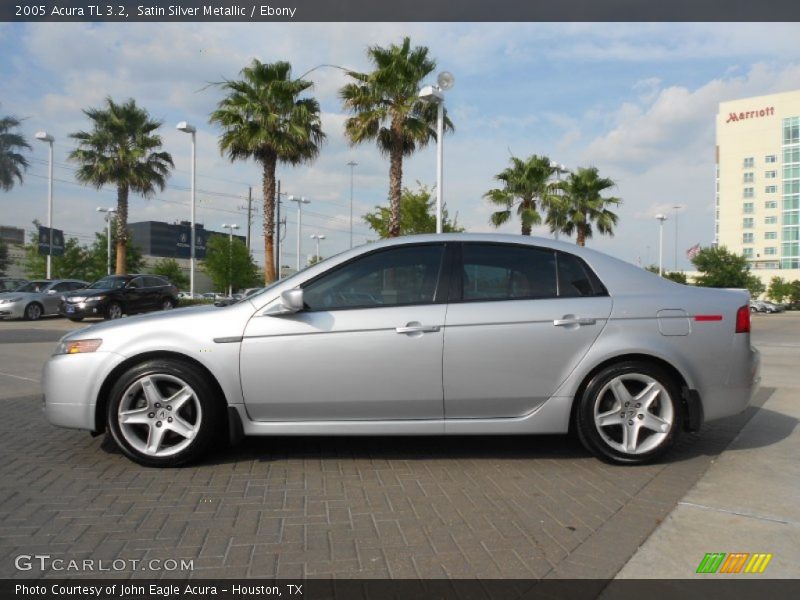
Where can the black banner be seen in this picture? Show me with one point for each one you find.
(44, 241)
(407, 10)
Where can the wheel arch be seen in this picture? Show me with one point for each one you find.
(689, 410)
(101, 403)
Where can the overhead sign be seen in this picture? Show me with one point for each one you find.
(184, 243)
(44, 241)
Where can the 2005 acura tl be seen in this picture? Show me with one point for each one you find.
(449, 334)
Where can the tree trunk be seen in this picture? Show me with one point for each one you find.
(526, 227)
(581, 235)
(122, 230)
(268, 183)
(395, 181)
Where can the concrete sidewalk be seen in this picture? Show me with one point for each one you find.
(748, 500)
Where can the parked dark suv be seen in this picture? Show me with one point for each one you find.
(115, 295)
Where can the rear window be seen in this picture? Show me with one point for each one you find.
(576, 279)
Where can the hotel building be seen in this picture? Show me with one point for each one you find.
(758, 183)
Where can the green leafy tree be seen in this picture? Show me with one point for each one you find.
(230, 264)
(755, 286)
(676, 276)
(721, 268)
(263, 118)
(3, 258)
(122, 149)
(581, 208)
(387, 110)
(315, 259)
(794, 293)
(169, 268)
(97, 255)
(779, 289)
(12, 161)
(526, 188)
(72, 265)
(417, 215)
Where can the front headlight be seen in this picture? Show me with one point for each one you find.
(77, 298)
(94, 298)
(78, 346)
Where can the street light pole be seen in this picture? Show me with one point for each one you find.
(661, 218)
(46, 137)
(186, 128)
(300, 201)
(352, 164)
(676, 207)
(108, 212)
(317, 237)
(434, 93)
(230, 229)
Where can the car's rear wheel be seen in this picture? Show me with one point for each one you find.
(167, 304)
(629, 413)
(113, 311)
(33, 311)
(164, 413)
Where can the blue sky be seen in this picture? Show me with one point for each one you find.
(636, 100)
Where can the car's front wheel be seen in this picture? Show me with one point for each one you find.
(629, 413)
(113, 311)
(33, 311)
(164, 413)
(167, 304)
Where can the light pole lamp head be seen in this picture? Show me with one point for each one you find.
(445, 80)
(45, 137)
(431, 93)
(661, 217)
(186, 127)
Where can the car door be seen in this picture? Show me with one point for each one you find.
(134, 296)
(368, 346)
(522, 320)
(52, 297)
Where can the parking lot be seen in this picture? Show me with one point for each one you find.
(491, 507)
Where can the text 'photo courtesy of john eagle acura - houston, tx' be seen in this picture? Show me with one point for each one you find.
(462, 334)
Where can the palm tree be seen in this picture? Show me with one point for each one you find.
(525, 183)
(388, 110)
(263, 118)
(12, 163)
(581, 208)
(122, 149)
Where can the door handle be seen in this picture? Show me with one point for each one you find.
(569, 320)
(417, 328)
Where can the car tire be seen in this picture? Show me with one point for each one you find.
(753, 309)
(33, 311)
(113, 311)
(76, 319)
(147, 427)
(167, 304)
(629, 413)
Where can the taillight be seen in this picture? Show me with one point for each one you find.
(743, 320)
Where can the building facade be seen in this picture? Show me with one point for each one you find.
(758, 183)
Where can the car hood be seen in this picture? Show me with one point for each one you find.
(86, 292)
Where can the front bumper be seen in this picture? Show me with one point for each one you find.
(15, 310)
(82, 310)
(71, 384)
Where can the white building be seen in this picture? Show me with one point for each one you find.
(758, 183)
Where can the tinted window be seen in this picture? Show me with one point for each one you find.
(154, 282)
(136, 283)
(64, 286)
(108, 283)
(576, 279)
(497, 272)
(77, 285)
(34, 286)
(406, 275)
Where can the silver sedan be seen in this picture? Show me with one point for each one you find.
(424, 335)
(36, 299)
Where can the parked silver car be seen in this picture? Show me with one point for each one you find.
(450, 334)
(37, 298)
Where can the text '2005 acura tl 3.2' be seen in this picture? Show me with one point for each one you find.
(422, 335)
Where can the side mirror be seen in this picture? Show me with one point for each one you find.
(291, 302)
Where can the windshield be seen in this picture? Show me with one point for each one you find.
(33, 287)
(108, 283)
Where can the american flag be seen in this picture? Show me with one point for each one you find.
(693, 251)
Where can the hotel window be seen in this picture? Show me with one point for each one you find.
(770, 220)
(791, 155)
(791, 130)
(771, 204)
(770, 158)
(791, 187)
(771, 235)
(748, 177)
(748, 192)
(747, 238)
(771, 189)
(791, 203)
(791, 218)
(749, 162)
(748, 208)
(770, 174)
(770, 250)
(748, 252)
(791, 172)
(747, 222)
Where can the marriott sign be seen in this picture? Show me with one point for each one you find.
(751, 114)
